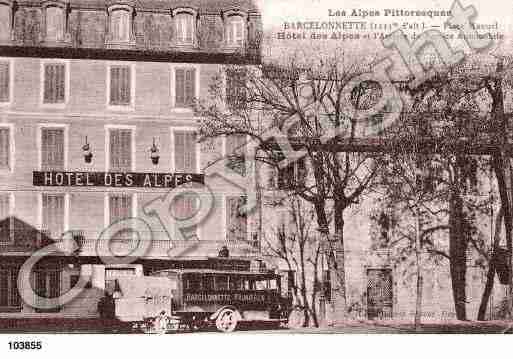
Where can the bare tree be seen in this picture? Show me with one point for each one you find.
(296, 243)
(305, 102)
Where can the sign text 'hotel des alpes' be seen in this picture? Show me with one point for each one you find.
(113, 179)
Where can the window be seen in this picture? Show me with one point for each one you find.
(120, 150)
(185, 151)
(55, 22)
(5, 22)
(53, 214)
(236, 219)
(120, 25)
(54, 83)
(52, 149)
(120, 85)
(235, 153)
(5, 80)
(6, 228)
(235, 31)
(9, 295)
(185, 87)
(293, 176)
(185, 25)
(121, 207)
(5, 148)
(48, 285)
(184, 206)
(236, 89)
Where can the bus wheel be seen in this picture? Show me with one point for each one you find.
(296, 318)
(226, 321)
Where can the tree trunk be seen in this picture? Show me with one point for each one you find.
(306, 305)
(336, 265)
(490, 277)
(458, 254)
(420, 282)
(502, 168)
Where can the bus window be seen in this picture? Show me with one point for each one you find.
(260, 285)
(208, 282)
(193, 282)
(221, 282)
(236, 283)
(272, 284)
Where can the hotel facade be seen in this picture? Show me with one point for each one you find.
(96, 123)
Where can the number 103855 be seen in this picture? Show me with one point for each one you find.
(26, 345)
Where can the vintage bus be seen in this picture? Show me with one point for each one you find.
(175, 299)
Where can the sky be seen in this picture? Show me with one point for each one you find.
(275, 12)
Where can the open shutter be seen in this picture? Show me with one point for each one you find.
(121, 150)
(4, 81)
(180, 151)
(53, 214)
(180, 88)
(190, 86)
(4, 148)
(52, 149)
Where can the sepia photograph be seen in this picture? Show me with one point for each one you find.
(254, 167)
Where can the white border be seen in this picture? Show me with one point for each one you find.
(173, 129)
(66, 208)
(131, 66)
(11, 81)
(42, 126)
(108, 128)
(12, 147)
(66, 82)
(173, 68)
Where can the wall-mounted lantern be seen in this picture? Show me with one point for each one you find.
(154, 153)
(88, 155)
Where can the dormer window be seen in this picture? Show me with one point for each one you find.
(120, 23)
(55, 21)
(185, 26)
(5, 21)
(234, 28)
(235, 31)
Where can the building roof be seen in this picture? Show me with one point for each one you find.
(200, 5)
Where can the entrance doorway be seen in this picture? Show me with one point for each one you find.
(379, 294)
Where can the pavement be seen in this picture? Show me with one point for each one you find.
(97, 326)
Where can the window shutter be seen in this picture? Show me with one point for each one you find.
(60, 83)
(54, 83)
(180, 88)
(236, 220)
(53, 214)
(5, 227)
(180, 151)
(4, 288)
(120, 150)
(48, 95)
(52, 149)
(4, 148)
(4, 81)
(190, 152)
(114, 85)
(190, 86)
(15, 299)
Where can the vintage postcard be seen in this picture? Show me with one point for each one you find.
(255, 166)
